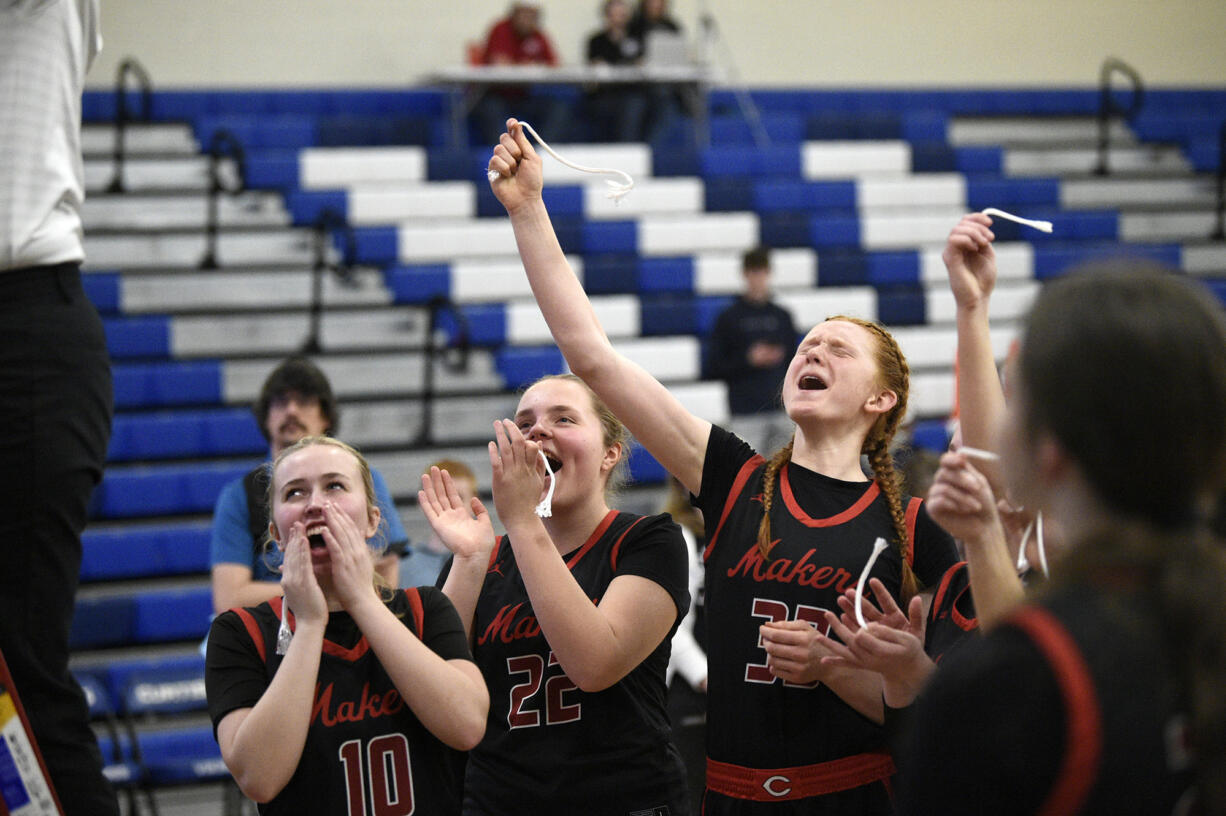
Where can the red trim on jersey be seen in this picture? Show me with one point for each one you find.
(330, 647)
(963, 622)
(492, 566)
(913, 507)
(419, 613)
(800, 782)
(253, 629)
(738, 484)
(785, 488)
(1083, 736)
(592, 539)
(617, 546)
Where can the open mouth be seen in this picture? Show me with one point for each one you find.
(315, 538)
(812, 382)
(554, 464)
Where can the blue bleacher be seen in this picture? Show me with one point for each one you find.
(137, 552)
(176, 441)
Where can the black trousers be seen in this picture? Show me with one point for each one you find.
(55, 423)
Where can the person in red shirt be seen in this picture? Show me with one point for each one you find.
(518, 39)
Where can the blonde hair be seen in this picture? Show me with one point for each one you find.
(895, 375)
(368, 485)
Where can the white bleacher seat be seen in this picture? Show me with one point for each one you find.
(397, 422)
(139, 138)
(183, 211)
(841, 160)
(498, 279)
(685, 235)
(1010, 301)
(372, 374)
(129, 251)
(179, 174)
(922, 190)
(1108, 192)
(1200, 260)
(633, 159)
(649, 197)
(328, 168)
(908, 229)
(996, 130)
(811, 307)
(1168, 226)
(245, 290)
(448, 240)
(668, 359)
(1014, 261)
(935, 347)
(1070, 161)
(705, 398)
(371, 205)
(720, 274)
(618, 314)
(931, 394)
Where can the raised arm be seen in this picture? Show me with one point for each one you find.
(961, 501)
(971, 264)
(467, 532)
(673, 435)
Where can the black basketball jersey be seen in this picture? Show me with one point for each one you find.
(1071, 705)
(824, 530)
(550, 747)
(366, 752)
(952, 614)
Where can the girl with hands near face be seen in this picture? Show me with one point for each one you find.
(357, 711)
(570, 617)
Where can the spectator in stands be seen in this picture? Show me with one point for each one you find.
(749, 349)
(518, 39)
(347, 689)
(652, 22)
(55, 379)
(423, 565)
(1103, 694)
(616, 109)
(295, 401)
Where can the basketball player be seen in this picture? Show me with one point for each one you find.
(785, 733)
(357, 712)
(570, 616)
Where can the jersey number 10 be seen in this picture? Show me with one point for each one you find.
(391, 778)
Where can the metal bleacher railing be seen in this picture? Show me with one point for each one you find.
(129, 67)
(224, 144)
(1109, 108)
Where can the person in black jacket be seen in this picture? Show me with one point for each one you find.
(749, 349)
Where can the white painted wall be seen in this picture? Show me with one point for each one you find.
(838, 43)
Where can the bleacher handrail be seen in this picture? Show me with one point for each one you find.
(129, 67)
(438, 306)
(1108, 108)
(328, 223)
(223, 145)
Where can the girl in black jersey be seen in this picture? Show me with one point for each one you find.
(570, 615)
(1103, 694)
(785, 733)
(355, 713)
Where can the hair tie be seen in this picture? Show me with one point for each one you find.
(879, 546)
(1041, 226)
(618, 189)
